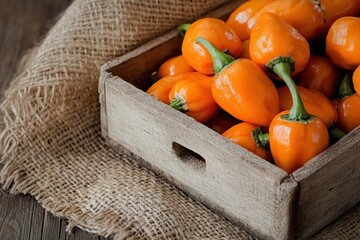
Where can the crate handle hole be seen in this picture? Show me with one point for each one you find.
(188, 156)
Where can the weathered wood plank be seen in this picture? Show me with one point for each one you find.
(329, 185)
(79, 234)
(21, 24)
(37, 221)
(51, 228)
(15, 216)
(63, 234)
(76, 234)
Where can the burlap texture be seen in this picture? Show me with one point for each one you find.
(51, 142)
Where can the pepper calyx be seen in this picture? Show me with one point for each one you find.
(317, 3)
(183, 28)
(261, 139)
(179, 103)
(303, 120)
(273, 62)
(335, 134)
(346, 87)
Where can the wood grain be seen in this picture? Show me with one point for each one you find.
(37, 221)
(329, 185)
(22, 23)
(76, 234)
(15, 222)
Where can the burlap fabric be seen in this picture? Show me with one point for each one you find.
(51, 144)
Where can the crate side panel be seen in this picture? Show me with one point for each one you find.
(138, 66)
(329, 185)
(228, 181)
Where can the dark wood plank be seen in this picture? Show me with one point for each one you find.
(15, 216)
(37, 221)
(76, 234)
(63, 234)
(22, 22)
(51, 227)
(79, 234)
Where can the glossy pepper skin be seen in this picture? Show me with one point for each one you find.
(241, 134)
(335, 9)
(273, 40)
(161, 89)
(294, 143)
(194, 98)
(242, 89)
(304, 15)
(295, 135)
(320, 74)
(217, 32)
(315, 103)
(348, 106)
(356, 80)
(174, 66)
(239, 17)
(245, 52)
(343, 43)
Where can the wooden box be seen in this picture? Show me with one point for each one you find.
(233, 182)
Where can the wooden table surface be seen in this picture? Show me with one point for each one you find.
(22, 24)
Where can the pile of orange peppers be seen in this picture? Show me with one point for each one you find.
(281, 78)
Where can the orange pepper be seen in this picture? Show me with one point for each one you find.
(239, 17)
(273, 41)
(295, 135)
(320, 74)
(348, 106)
(304, 15)
(335, 9)
(174, 66)
(241, 88)
(293, 143)
(221, 122)
(245, 52)
(343, 42)
(246, 135)
(194, 98)
(314, 101)
(356, 80)
(216, 31)
(161, 89)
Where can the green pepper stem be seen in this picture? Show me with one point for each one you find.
(220, 59)
(179, 104)
(297, 111)
(261, 139)
(346, 87)
(183, 28)
(317, 3)
(335, 134)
